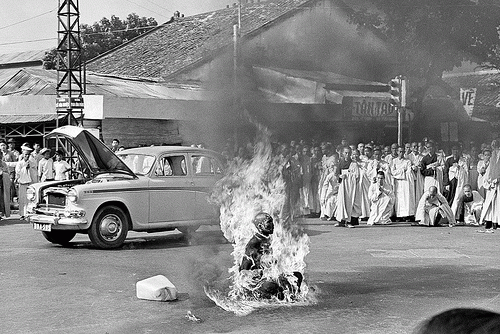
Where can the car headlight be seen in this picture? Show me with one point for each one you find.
(72, 195)
(30, 194)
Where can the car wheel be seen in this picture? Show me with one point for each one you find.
(188, 230)
(109, 228)
(59, 237)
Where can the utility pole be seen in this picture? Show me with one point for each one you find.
(236, 83)
(69, 71)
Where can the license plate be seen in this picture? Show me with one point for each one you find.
(42, 227)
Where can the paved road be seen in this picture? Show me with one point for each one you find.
(381, 279)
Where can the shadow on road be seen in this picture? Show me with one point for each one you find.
(12, 221)
(161, 241)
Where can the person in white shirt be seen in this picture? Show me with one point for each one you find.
(26, 174)
(61, 167)
(45, 166)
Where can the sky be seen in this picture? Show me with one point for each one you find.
(27, 25)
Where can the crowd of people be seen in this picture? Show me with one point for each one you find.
(20, 168)
(416, 182)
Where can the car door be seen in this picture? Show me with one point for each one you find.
(171, 196)
(206, 171)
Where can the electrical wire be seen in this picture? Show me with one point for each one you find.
(31, 41)
(171, 11)
(151, 27)
(146, 8)
(91, 34)
(30, 18)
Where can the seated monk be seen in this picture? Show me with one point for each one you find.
(432, 208)
(468, 207)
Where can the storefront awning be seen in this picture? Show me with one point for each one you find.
(36, 118)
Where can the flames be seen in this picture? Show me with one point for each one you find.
(249, 188)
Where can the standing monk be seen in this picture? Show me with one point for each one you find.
(403, 185)
(456, 174)
(349, 195)
(430, 168)
(491, 207)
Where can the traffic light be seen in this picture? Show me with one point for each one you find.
(395, 91)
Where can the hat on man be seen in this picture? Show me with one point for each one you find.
(45, 149)
(25, 147)
(11, 140)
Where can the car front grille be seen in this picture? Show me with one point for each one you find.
(56, 199)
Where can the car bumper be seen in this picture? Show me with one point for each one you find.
(60, 223)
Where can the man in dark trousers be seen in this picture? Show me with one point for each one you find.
(450, 174)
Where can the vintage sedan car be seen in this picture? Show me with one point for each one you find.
(147, 189)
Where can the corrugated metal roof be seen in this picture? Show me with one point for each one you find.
(31, 81)
(20, 57)
(326, 77)
(175, 46)
(37, 118)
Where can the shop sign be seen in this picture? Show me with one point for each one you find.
(468, 97)
(370, 109)
(63, 103)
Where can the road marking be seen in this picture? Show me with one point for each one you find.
(424, 253)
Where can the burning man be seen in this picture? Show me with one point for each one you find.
(404, 184)
(491, 207)
(382, 199)
(432, 207)
(258, 246)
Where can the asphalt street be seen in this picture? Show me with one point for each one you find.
(379, 279)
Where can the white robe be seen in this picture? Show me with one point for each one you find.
(491, 206)
(482, 165)
(418, 177)
(472, 210)
(404, 187)
(329, 191)
(349, 196)
(428, 209)
(364, 184)
(381, 204)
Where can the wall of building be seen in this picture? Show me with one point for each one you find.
(140, 132)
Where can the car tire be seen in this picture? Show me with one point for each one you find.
(188, 230)
(59, 237)
(109, 227)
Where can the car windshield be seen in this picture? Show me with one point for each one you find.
(140, 164)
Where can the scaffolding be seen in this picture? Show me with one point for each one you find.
(69, 88)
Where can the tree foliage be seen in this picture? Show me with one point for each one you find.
(427, 37)
(105, 35)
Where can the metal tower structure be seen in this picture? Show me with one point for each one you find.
(69, 89)
(69, 70)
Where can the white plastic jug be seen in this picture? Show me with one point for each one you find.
(156, 288)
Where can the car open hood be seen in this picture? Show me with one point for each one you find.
(99, 158)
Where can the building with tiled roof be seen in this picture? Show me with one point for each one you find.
(187, 42)
(480, 93)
